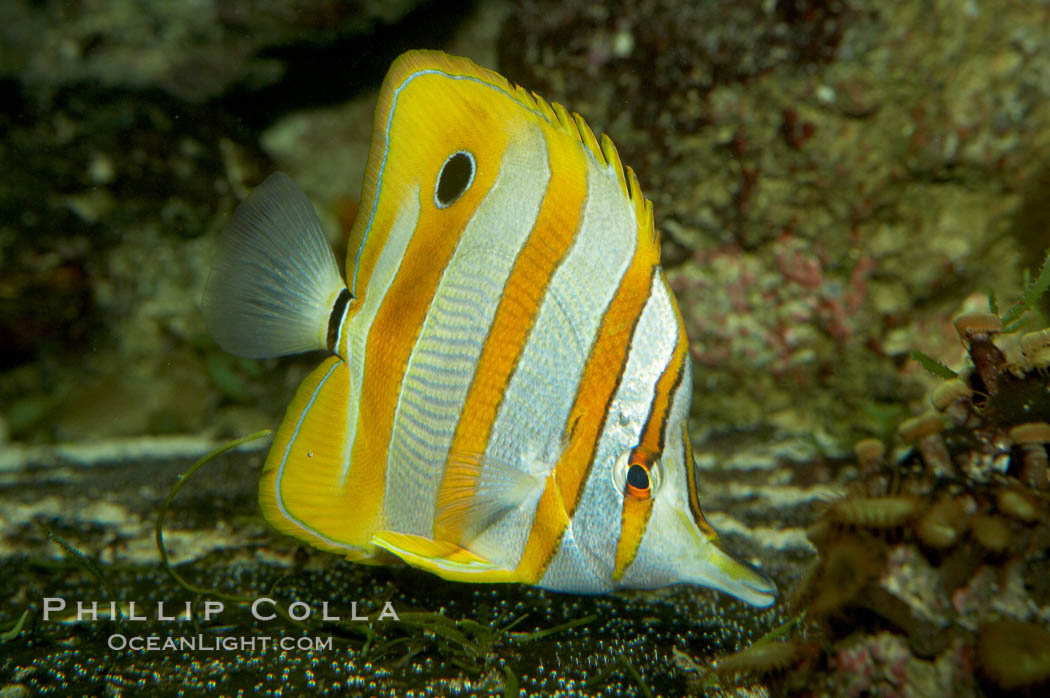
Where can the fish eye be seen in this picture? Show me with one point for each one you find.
(638, 481)
(456, 176)
(632, 476)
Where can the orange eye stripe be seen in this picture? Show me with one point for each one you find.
(637, 509)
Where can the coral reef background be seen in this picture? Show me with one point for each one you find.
(834, 181)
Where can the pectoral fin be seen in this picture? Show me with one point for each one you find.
(468, 503)
(446, 560)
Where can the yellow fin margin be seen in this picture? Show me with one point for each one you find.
(301, 490)
(446, 560)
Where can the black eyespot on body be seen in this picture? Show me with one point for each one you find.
(456, 176)
(638, 480)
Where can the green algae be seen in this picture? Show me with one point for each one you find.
(1033, 291)
(932, 365)
(162, 513)
(85, 563)
(12, 632)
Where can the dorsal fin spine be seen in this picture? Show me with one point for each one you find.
(586, 136)
(550, 112)
(613, 158)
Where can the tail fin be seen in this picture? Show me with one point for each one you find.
(274, 283)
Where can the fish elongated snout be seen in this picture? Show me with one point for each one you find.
(708, 564)
(725, 573)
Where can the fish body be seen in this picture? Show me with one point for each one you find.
(508, 387)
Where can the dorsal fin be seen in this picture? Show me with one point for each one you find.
(603, 152)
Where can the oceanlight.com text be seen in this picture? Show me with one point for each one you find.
(217, 643)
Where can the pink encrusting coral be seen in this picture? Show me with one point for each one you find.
(767, 306)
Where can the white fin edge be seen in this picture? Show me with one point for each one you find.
(274, 280)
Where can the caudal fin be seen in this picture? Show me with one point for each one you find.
(274, 282)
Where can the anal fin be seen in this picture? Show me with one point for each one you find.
(446, 560)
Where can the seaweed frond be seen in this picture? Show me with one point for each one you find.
(159, 528)
(933, 365)
(85, 563)
(1033, 291)
(11, 634)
